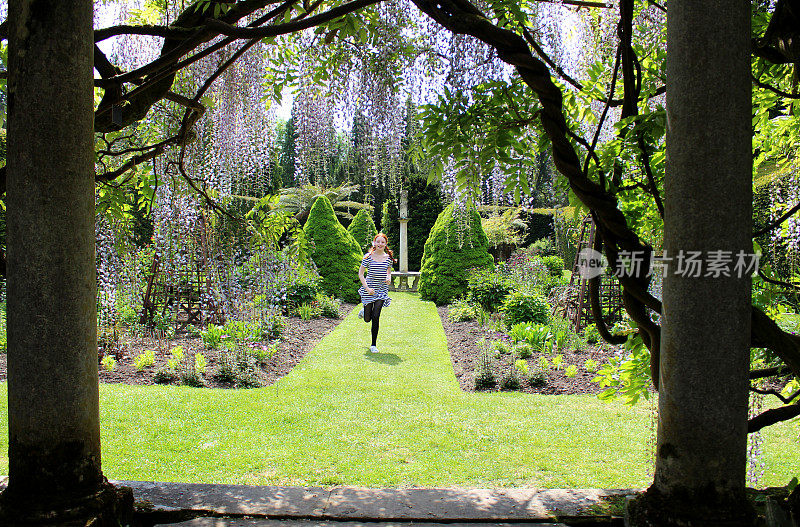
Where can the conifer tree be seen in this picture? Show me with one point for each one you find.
(335, 252)
(449, 253)
(363, 228)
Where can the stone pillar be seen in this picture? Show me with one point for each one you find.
(703, 393)
(404, 231)
(53, 402)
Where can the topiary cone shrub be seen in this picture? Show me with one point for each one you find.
(446, 262)
(335, 252)
(363, 229)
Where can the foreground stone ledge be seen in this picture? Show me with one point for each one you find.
(354, 504)
(357, 503)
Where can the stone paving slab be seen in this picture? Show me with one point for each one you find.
(359, 504)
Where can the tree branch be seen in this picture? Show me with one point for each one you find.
(773, 89)
(777, 222)
(229, 30)
(773, 416)
(784, 400)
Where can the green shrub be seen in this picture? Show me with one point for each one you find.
(242, 331)
(543, 247)
(591, 334)
(461, 311)
(142, 360)
(164, 376)
(109, 363)
(591, 365)
(272, 327)
(335, 252)
(523, 350)
(554, 264)
(537, 376)
(501, 346)
(525, 307)
(510, 380)
(328, 306)
(488, 288)
(571, 371)
(449, 252)
(212, 336)
(303, 291)
(238, 367)
(363, 229)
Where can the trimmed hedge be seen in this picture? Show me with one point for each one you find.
(335, 252)
(363, 229)
(446, 263)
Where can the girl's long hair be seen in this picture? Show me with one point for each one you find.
(388, 251)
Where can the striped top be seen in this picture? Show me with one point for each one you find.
(376, 279)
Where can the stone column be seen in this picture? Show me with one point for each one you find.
(703, 394)
(53, 402)
(404, 231)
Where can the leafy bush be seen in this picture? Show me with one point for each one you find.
(238, 367)
(262, 353)
(543, 247)
(488, 288)
(452, 249)
(363, 229)
(571, 371)
(164, 376)
(243, 331)
(591, 334)
(328, 306)
(558, 362)
(109, 363)
(501, 346)
(510, 380)
(591, 365)
(554, 264)
(461, 311)
(336, 253)
(537, 376)
(525, 307)
(484, 377)
(627, 376)
(145, 359)
(212, 336)
(523, 350)
(272, 326)
(539, 337)
(303, 289)
(527, 271)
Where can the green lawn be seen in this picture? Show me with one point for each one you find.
(398, 418)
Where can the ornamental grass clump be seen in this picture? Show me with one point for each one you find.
(456, 244)
(336, 253)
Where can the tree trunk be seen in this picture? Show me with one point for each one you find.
(53, 400)
(703, 393)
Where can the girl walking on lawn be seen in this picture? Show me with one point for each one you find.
(374, 288)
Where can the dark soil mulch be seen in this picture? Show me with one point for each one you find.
(465, 354)
(298, 338)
